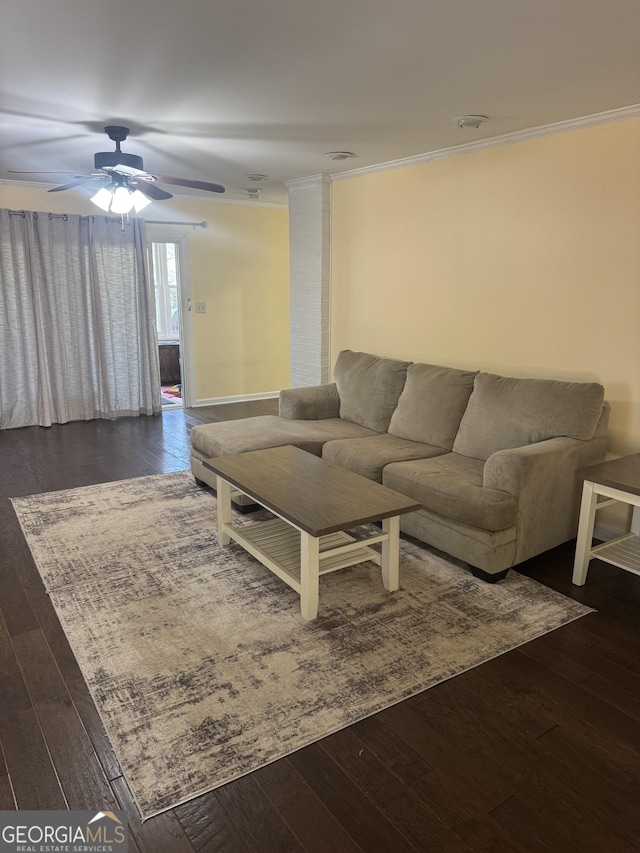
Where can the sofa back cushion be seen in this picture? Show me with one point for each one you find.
(432, 404)
(369, 387)
(504, 412)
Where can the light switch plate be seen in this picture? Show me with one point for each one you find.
(201, 307)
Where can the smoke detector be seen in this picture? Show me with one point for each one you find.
(469, 122)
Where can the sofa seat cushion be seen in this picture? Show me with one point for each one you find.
(504, 412)
(432, 404)
(257, 433)
(451, 485)
(368, 456)
(369, 387)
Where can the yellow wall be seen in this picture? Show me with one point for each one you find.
(522, 260)
(239, 266)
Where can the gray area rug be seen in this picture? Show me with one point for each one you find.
(197, 657)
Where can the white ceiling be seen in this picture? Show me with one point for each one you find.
(217, 89)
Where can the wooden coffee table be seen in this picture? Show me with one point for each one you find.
(315, 504)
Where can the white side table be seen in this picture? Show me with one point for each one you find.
(605, 484)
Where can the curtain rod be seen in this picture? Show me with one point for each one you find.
(202, 224)
(34, 213)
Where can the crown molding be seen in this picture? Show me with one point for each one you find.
(180, 196)
(632, 111)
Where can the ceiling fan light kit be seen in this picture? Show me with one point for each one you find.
(120, 200)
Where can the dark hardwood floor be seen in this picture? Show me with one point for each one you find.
(539, 749)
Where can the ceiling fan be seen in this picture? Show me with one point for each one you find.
(121, 181)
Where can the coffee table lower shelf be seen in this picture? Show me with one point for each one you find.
(277, 545)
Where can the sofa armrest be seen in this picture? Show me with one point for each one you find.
(542, 478)
(510, 470)
(312, 403)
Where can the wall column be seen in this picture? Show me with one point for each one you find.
(309, 248)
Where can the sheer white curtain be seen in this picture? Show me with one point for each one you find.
(77, 320)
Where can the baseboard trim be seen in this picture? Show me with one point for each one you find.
(238, 398)
(606, 532)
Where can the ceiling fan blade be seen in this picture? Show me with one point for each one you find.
(151, 190)
(71, 185)
(196, 185)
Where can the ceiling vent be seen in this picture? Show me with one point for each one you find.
(339, 155)
(469, 122)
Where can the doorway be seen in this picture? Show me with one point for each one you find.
(167, 265)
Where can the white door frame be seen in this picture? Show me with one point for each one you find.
(181, 239)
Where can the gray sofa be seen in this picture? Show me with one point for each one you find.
(491, 459)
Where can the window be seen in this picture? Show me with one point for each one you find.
(164, 264)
